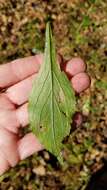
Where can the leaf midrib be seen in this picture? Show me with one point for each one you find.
(52, 90)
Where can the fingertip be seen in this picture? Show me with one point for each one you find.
(77, 119)
(28, 145)
(8, 145)
(80, 82)
(74, 66)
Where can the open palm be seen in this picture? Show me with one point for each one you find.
(15, 83)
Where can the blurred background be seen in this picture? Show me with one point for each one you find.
(80, 29)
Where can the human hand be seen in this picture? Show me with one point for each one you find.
(16, 83)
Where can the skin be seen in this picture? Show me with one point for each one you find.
(16, 77)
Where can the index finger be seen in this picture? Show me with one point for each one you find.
(19, 69)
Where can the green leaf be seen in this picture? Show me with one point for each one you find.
(52, 101)
(86, 21)
(92, 1)
(101, 84)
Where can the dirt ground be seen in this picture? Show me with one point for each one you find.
(80, 29)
